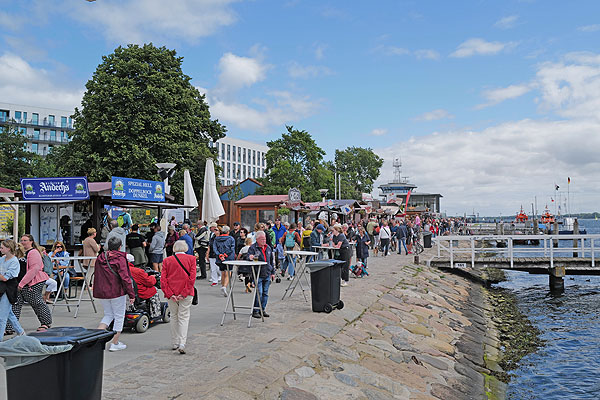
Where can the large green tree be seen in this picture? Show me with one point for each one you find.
(15, 161)
(358, 168)
(139, 109)
(295, 160)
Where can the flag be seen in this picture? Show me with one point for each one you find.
(556, 186)
(568, 180)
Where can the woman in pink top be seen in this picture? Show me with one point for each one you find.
(31, 285)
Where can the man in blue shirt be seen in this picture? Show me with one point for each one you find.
(184, 235)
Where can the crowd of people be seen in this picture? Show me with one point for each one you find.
(130, 264)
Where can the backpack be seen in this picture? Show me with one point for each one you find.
(48, 267)
(121, 220)
(202, 239)
(289, 240)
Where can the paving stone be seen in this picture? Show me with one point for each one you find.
(305, 372)
(326, 329)
(293, 379)
(371, 350)
(345, 379)
(417, 329)
(341, 351)
(376, 395)
(330, 363)
(297, 394)
(383, 345)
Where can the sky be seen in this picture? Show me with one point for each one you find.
(490, 103)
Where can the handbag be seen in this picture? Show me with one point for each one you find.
(195, 299)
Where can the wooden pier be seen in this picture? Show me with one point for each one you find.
(580, 257)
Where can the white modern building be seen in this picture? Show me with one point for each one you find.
(240, 159)
(44, 128)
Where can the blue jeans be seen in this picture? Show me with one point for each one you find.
(403, 241)
(263, 291)
(289, 263)
(6, 314)
(66, 276)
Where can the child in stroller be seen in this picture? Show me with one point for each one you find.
(359, 270)
(147, 307)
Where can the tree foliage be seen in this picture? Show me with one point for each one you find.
(358, 168)
(15, 160)
(295, 160)
(139, 109)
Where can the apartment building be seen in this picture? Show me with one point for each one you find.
(240, 159)
(44, 128)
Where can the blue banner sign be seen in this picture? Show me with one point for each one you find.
(45, 189)
(137, 189)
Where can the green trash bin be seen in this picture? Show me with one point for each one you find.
(325, 278)
(73, 375)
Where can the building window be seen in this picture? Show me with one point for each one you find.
(51, 120)
(50, 149)
(3, 115)
(23, 131)
(34, 147)
(228, 170)
(18, 116)
(254, 172)
(36, 134)
(53, 136)
(239, 154)
(253, 157)
(35, 119)
(233, 158)
(223, 151)
(63, 137)
(70, 122)
(228, 182)
(244, 156)
(244, 172)
(228, 152)
(63, 122)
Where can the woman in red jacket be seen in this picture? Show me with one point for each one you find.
(177, 282)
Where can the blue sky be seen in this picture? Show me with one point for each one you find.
(489, 103)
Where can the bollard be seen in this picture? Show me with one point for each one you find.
(536, 227)
(416, 259)
(575, 232)
(555, 232)
(556, 281)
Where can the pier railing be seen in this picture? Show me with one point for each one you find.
(583, 246)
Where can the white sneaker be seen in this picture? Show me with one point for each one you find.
(344, 283)
(224, 290)
(117, 347)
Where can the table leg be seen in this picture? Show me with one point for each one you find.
(229, 299)
(298, 278)
(61, 288)
(86, 287)
(254, 296)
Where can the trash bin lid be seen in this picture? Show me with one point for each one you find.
(319, 265)
(71, 335)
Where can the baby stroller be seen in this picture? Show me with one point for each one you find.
(359, 270)
(145, 312)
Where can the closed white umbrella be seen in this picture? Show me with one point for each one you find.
(189, 197)
(212, 208)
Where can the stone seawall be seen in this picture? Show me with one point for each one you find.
(406, 332)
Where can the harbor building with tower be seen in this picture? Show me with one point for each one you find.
(397, 192)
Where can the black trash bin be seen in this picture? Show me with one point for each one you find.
(325, 278)
(72, 375)
(427, 240)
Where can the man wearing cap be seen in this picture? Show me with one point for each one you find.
(316, 239)
(279, 230)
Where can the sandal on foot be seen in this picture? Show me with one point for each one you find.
(43, 328)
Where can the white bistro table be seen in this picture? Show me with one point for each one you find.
(255, 267)
(85, 269)
(301, 272)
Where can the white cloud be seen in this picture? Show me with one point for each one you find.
(320, 51)
(434, 115)
(589, 28)
(478, 46)
(391, 50)
(11, 22)
(495, 96)
(275, 107)
(308, 71)
(138, 21)
(507, 22)
(378, 132)
(237, 72)
(427, 54)
(21, 83)
(498, 168)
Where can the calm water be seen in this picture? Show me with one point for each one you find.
(568, 366)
